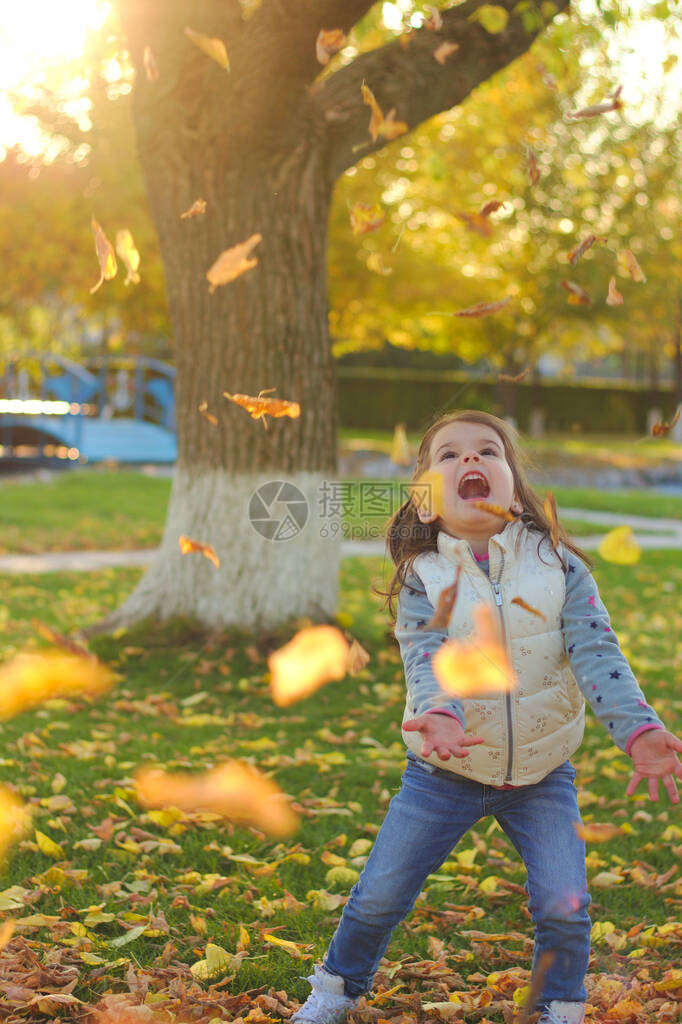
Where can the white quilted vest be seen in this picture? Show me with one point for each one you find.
(530, 731)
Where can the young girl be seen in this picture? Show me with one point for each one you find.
(501, 754)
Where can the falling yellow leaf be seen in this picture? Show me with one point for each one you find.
(233, 790)
(48, 846)
(627, 262)
(614, 297)
(105, 256)
(619, 546)
(187, 546)
(15, 820)
(375, 262)
(484, 308)
(126, 249)
(232, 263)
(427, 493)
(478, 664)
(6, 932)
(203, 409)
(259, 407)
(442, 52)
(495, 510)
(364, 218)
(594, 832)
(150, 66)
(214, 48)
(379, 126)
(551, 513)
(492, 17)
(401, 455)
(197, 208)
(358, 658)
(328, 42)
(313, 657)
(30, 679)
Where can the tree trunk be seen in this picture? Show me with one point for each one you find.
(267, 329)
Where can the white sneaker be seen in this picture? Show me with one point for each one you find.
(327, 1003)
(560, 1012)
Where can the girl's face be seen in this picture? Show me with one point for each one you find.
(472, 461)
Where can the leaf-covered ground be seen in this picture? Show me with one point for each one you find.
(114, 904)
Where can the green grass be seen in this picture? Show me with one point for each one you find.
(123, 510)
(189, 701)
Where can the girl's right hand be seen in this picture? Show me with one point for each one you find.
(442, 734)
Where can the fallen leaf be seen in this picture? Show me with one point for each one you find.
(612, 103)
(528, 607)
(478, 664)
(216, 962)
(126, 249)
(48, 846)
(627, 262)
(313, 657)
(187, 545)
(260, 407)
(212, 47)
(105, 256)
(594, 832)
(197, 208)
(150, 65)
(6, 932)
(232, 263)
(233, 790)
(484, 308)
(577, 296)
(445, 50)
(15, 822)
(614, 297)
(364, 218)
(619, 546)
(380, 126)
(329, 41)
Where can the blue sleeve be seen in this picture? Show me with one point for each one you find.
(597, 662)
(417, 647)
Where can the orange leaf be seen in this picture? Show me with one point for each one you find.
(427, 492)
(492, 206)
(232, 263)
(517, 379)
(477, 222)
(661, 428)
(364, 218)
(187, 545)
(260, 407)
(150, 65)
(234, 790)
(612, 103)
(442, 52)
(551, 513)
(214, 48)
(533, 167)
(484, 308)
(196, 209)
(577, 295)
(386, 127)
(313, 657)
(357, 658)
(478, 664)
(528, 607)
(105, 256)
(593, 832)
(59, 640)
(446, 602)
(495, 510)
(614, 298)
(203, 409)
(586, 244)
(30, 679)
(329, 41)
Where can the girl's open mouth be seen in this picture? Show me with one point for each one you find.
(473, 486)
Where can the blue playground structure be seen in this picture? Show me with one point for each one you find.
(54, 411)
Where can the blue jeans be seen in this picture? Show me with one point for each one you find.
(425, 820)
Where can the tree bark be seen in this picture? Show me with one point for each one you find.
(263, 145)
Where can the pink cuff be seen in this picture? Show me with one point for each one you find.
(638, 732)
(438, 711)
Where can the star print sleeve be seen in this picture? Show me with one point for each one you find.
(597, 662)
(417, 647)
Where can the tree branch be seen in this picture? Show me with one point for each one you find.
(410, 80)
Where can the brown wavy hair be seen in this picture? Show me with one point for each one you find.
(408, 537)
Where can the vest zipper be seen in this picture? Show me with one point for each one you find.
(507, 697)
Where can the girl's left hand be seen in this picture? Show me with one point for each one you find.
(653, 755)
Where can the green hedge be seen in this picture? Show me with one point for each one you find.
(376, 398)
